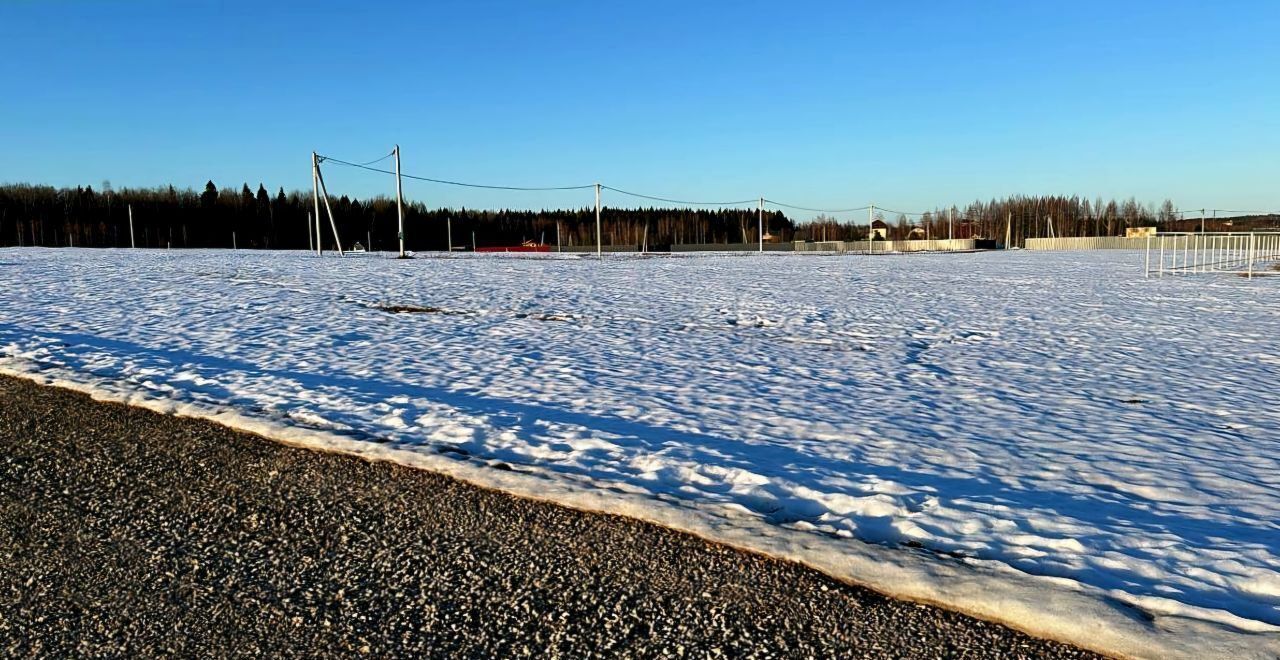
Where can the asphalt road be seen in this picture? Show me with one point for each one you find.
(128, 533)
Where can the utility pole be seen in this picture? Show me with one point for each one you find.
(311, 244)
(558, 248)
(951, 219)
(399, 202)
(315, 197)
(132, 244)
(1201, 221)
(871, 229)
(333, 224)
(760, 212)
(448, 228)
(599, 240)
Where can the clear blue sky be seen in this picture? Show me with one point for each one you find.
(819, 104)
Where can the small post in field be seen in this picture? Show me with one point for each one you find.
(315, 197)
(399, 205)
(760, 222)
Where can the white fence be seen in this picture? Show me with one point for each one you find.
(942, 245)
(1087, 243)
(935, 245)
(1239, 253)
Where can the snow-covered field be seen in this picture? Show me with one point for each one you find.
(1045, 438)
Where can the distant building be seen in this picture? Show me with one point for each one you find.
(879, 230)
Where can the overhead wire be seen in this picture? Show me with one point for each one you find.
(454, 183)
(880, 208)
(378, 160)
(1246, 212)
(773, 202)
(676, 201)
(804, 208)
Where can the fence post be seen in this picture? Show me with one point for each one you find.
(1162, 239)
(871, 223)
(1252, 240)
(1146, 272)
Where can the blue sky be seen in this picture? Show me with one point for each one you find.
(816, 104)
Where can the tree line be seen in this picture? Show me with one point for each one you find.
(242, 217)
(247, 218)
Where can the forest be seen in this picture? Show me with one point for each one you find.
(244, 218)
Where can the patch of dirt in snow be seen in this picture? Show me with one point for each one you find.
(416, 309)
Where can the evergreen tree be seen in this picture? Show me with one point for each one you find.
(209, 198)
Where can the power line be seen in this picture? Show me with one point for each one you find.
(365, 166)
(878, 208)
(803, 208)
(1246, 212)
(378, 160)
(455, 183)
(368, 166)
(678, 201)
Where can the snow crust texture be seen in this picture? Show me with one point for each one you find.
(1052, 416)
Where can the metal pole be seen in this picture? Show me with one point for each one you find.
(448, 227)
(1162, 255)
(233, 240)
(399, 202)
(315, 197)
(871, 221)
(558, 248)
(1147, 271)
(951, 218)
(131, 243)
(599, 239)
(760, 214)
(311, 244)
(1252, 241)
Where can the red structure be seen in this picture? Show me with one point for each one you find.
(527, 246)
